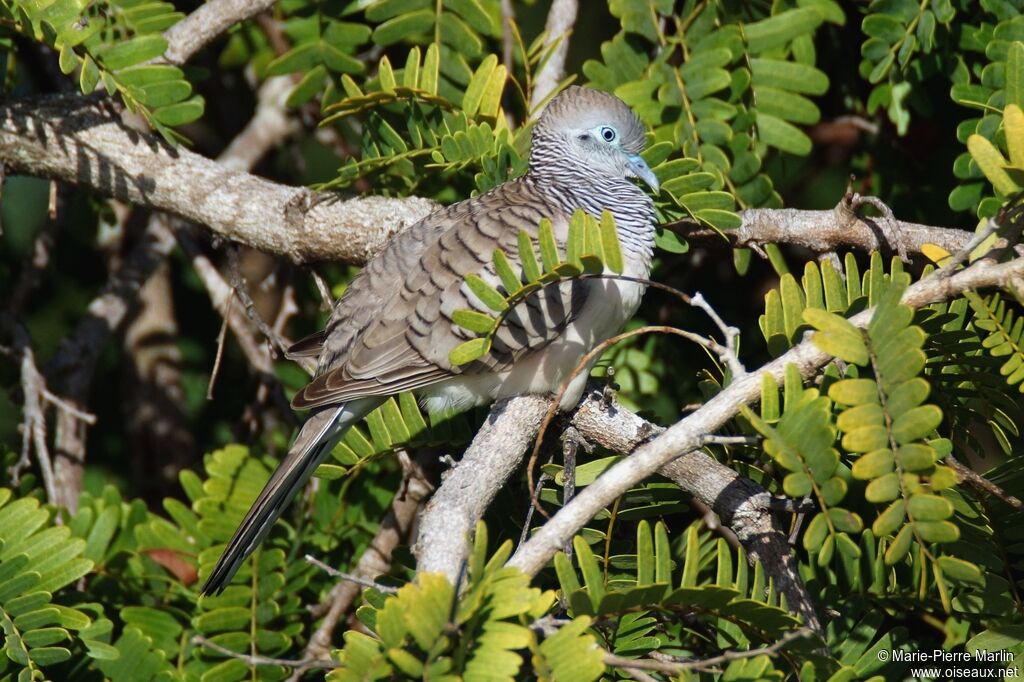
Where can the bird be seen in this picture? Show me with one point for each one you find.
(392, 329)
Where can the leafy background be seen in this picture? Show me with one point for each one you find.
(749, 105)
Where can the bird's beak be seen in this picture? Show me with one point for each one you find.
(640, 169)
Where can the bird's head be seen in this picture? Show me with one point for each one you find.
(588, 131)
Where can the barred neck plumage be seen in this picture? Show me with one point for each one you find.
(571, 185)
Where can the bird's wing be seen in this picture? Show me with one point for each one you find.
(397, 336)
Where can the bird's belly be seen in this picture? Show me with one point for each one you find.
(609, 306)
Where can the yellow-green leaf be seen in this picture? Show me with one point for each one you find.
(471, 350)
(487, 294)
(889, 520)
(992, 164)
(474, 321)
(610, 243)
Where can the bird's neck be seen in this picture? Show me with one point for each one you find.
(632, 209)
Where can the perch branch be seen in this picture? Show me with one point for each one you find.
(823, 231)
(744, 506)
(82, 141)
(450, 517)
(685, 436)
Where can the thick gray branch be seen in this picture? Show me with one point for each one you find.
(823, 231)
(80, 141)
(686, 435)
(466, 492)
(84, 142)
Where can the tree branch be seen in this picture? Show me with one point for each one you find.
(561, 18)
(202, 26)
(685, 436)
(823, 231)
(82, 141)
(449, 519)
(744, 506)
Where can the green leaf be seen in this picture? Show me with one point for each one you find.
(854, 391)
(889, 520)
(89, 75)
(477, 84)
(784, 136)
(937, 531)
(961, 571)
(487, 294)
(164, 93)
(837, 336)
(528, 257)
(1015, 74)
(992, 164)
(915, 457)
(900, 545)
(308, 87)
(593, 577)
(787, 75)
(469, 351)
(873, 464)
(780, 29)
(134, 51)
(474, 321)
(610, 243)
(406, 24)
(548, 245)
(180, 113)
(916, 423)
(884, 489)
(505, 272)
(929, 508)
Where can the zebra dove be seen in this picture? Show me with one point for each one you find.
(392, 330)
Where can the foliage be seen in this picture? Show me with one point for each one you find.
(113, 44)
(397, 97)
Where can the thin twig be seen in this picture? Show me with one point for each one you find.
(525, 534)
(961, 256)
(893, 235)
(731, 335)
(221, 340)
(241, 289)
(965, 473)
(326, 299)
(712, 439)
(676, 667)
(58, 402)
(387, 589)
(251, 660)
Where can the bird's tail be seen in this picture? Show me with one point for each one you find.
(316, 439)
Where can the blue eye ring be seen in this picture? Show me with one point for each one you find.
(608, 134)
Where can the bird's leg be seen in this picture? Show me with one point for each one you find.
(571, 442)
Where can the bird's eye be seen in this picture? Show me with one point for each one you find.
(608, 134)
